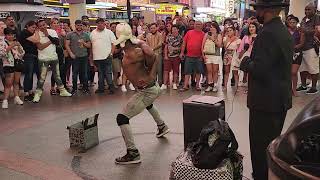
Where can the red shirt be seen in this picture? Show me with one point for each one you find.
(193, 41)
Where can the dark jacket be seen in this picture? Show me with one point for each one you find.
(269, 87)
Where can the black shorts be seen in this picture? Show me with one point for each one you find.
(297, 58)
(18, 67)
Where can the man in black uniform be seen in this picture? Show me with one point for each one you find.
(269, 89)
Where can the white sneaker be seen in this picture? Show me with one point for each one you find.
(18, 101)
(174, 87)
(123, 88)
(209, 88)
(164, 87)
(64, 93)
(214, 89)
(37, 96)
(131, 87)
(5, 104)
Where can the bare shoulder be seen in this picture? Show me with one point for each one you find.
(134, 56)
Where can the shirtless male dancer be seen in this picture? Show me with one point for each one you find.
(140, 67)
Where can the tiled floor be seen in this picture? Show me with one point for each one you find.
(34, 140)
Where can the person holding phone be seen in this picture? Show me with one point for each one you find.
(231, 43)
(12, 53)
(211, 45)
(245, 48)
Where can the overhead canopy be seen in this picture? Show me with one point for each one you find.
(16, 7)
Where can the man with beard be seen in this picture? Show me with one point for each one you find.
(155, 40)
(140, 65)
(11, 23)
(269, 89)
(77, 44)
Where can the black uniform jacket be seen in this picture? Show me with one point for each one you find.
(269, 87)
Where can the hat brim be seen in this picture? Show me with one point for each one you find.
(266, 5)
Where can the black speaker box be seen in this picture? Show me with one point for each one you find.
(198, 111)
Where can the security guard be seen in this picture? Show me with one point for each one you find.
(269, 89)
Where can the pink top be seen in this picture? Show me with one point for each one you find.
(246, 40)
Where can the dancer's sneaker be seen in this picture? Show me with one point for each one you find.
(132, 157)
(162, 130)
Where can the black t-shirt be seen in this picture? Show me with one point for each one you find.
(27, 45)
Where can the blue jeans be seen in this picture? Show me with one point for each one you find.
(104, 70)
(80, 65)
(30, 67)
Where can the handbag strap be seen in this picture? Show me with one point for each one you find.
(230, 43)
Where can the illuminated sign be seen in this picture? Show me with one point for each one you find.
(230, 7)
(221, 4)
(124, 2)
(168, 9)
(4, 14)
(23, 1)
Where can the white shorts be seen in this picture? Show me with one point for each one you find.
(212, 59)
(310, 62)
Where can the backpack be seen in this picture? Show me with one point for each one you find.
(216, 143)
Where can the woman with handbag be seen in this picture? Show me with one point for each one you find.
(212, 42)
(246, 48)
(12, 53)
(231, 43)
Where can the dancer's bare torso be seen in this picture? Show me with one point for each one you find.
(137, 66)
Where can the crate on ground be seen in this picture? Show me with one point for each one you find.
(84, 134)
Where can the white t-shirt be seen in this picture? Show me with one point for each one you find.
(102, 43)
(49, 53)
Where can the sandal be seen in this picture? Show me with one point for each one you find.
(53, 92)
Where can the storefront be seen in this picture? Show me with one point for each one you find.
(113, 10)
(24, 11)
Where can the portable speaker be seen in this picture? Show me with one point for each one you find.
(198, 111)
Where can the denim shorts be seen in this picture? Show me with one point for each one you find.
(193, 65)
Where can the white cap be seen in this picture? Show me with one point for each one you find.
(124, 33)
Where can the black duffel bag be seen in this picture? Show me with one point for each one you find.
(216, 143)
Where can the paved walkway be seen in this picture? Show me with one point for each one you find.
(34, 140)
